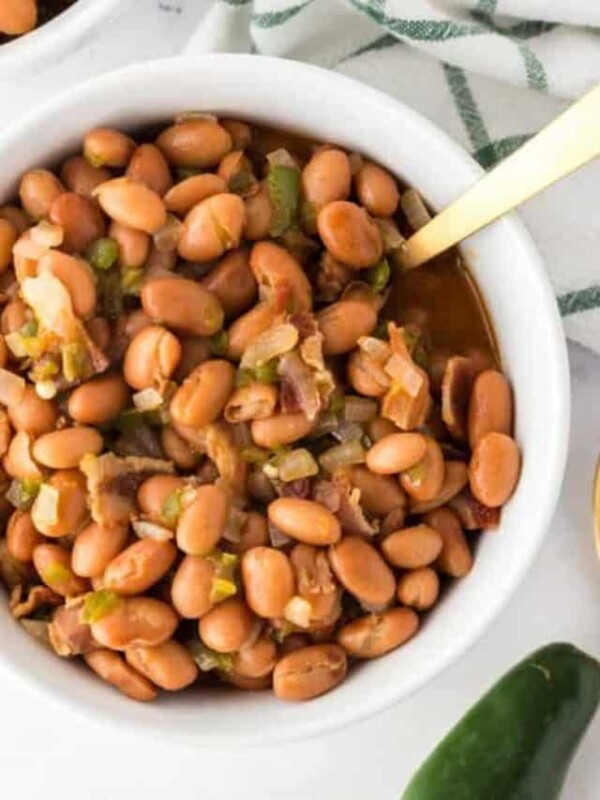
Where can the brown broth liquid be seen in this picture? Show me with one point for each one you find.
(441, 296)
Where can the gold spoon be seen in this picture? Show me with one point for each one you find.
(566, 144)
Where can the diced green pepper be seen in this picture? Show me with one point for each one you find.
(284, 188)
(103, 253)
(267, 373)
(172, 507)
(379, 275)
(29, 329)
(218, 343)
(98, 605)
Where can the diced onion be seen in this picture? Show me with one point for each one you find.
(278, 538)
(376, 348)
(405, 373)
(347, 432)
(46, 234)
(12, 388)
(150, 530)
(16, 344)
(281, 158)
(147, 400)
(184, 116)
(46, 389)
(297, 464)
(44, 511)
(342, 455)
(414, 208)
(359, 409)
(272, 343)
(390, 235)
(25, 247)
(298, 612)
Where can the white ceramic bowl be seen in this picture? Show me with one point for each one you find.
(514, 285)
(54, 40)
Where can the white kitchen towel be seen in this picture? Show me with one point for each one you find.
(490, 72)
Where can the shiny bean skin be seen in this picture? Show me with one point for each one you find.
(494, 469)
(194, 351)
(247, 328)
(360, 377)
(202, 523)
(137, 621)
(293, 642)
(256, 660)
(113, 669)
(154, 491)
(134, 246)
(212, 227)
(18, 17)
(176, 449)
(362, 571)
(490, 406)
(134, 322)
(18, 462)
(419, 588)
(228, 626)
(37, 191)
(195, 143)
(259, 214)
(8, 236)
(183, 305)
(95, 547)
(254, 533)
(305, 520)
(132, 204)
(377, 190)
(277, 271)
(168, 665)
(376, 634)
(76, 276)
(65, 448)
(186, 194)
(151, 357)
(139, 566)
(396, 452)
(107, 147)
(310, 672)
(268, 580)
(424, 479)
(80, 219)
(350, 235)
(411, 548)
(255, 401)
(456, 478)
(343, 323)
(202, 396)
(32, 414)
(379, 494)
(72, 506)
(79, 176)
(191, 587)
(99, 400)
(148, 166)
(53, 565)
(380, 427)
(21, 536)
(326, 178)
(233, 283)
(455, 559)
(280, 430)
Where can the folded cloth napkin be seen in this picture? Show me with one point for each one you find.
(490, 72)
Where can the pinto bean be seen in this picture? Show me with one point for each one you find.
(494, 469)
(71, 510)
(65, 448)
(380, 427)
(32, 414)
(202, 523)
(79, 176)
(379, 494)
(455, 479)
(456, 558)
(151, 357)
(148, 166)
(195, 143)
(419, 588)
(377, 190)
(203, 394)
(80, 219)
(37, 191)
(396, 452)
(228, 626)
(268, 581)
(343, 323)
(183, 305)
(134, 245)
(423, 481)
(21, 536)
(132, 204)
(410, 548)
(153, 493)
(113, 669)
(259, 214)
(349, 234)
(280, 430)
(53, 565)
(177, 449)
(95, 547)
(376, 634)
(18, 462)
(99, 400)
(247, 328)
(362, 571)
(139, 566)
(136, 621)
(232, 282)
(256, 660)
(305, 520)
(191, 587)
(8, 237)
(107, 147)
(277, 272)
(76, 276)
(212, 227)
(186, 194)
(168, 665)
(326, 178)
(255, 401)
(310, 672)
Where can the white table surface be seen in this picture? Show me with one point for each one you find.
(49, 752)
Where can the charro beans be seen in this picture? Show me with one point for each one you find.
(268, 581)
(151, 357)
(230, 420)
(169, 665)
(183, 305)
(139, 566)
(377, 634)
(113, 669)
(65, 448)
(202, 522)
(410, 548)
(305, 520)
(98, 401)
(494, 469)
(135, 622)
(309, 672)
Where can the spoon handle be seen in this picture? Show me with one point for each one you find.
(566, 144)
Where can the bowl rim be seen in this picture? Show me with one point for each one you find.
(557, 442)
(33, 49)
